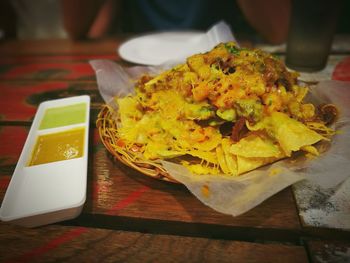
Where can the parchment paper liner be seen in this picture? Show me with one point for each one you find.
(236, 195)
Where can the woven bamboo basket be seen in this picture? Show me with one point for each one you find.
(107, 128)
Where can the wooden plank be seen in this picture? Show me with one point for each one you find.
(4, 181)
(50, 67)
(77, 244)
(327, 208)
(321, 251)
(117, 191)
(59, 47)
(19, 99)
(51, 70)
(22, 59)
(12, 139)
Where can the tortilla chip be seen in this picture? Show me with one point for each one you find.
(247, 164)
(256, 146)
(290, 133)
(221, 159)
(230, 159)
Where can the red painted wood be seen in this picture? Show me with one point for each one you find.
(63, 239)
(120, 197)
(14, 98)
(342, 70)
(12, 139)
(19, 100)
(57, 58)
(47, 70)
(71, 244)
(121, 191)
(4, 182)
(59, 47)
(116, 190)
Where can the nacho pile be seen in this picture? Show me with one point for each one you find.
(227, 111)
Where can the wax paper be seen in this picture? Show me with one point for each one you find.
(236, 195)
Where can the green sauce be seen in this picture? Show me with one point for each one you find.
(62, 116)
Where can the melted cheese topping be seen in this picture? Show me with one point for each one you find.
(184, 112)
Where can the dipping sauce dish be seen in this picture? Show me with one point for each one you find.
(49, 181)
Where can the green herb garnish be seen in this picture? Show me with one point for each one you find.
(232, 49)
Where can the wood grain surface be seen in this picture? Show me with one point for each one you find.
(127, 215)
(59, 47)
(329, 251)
(118, 195)
(78, 244)
(47, 71)
(19, 100)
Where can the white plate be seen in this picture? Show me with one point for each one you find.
(155, 49)
(52, 191)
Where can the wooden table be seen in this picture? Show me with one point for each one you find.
(129, 217)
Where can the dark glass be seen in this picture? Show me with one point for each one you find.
(312, 27)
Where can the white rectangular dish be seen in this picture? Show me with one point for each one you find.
(49, 181)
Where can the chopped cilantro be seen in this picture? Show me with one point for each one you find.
(232, 49)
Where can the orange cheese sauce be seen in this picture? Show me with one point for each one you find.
(58, 147)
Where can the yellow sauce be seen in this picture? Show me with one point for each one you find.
(58, 147)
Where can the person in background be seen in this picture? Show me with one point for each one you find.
(256, 20)
(7, 21)
(77, 19)
(98, 18)
(37, 19)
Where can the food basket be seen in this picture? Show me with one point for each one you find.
(107, 128)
